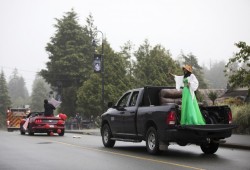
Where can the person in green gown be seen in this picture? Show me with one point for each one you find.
(190, 111)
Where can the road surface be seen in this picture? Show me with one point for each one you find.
(86, 152)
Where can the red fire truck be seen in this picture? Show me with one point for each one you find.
(14, 117)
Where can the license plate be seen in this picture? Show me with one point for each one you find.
(51, 126)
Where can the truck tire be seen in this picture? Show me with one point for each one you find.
(22, 131)
(209, 148)
(106, 136)
(10, 130)
(152, 141)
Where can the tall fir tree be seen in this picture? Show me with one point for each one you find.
(116, 81)
(70, 53)
(17, 90)
(4, 99)
(192, 60)
(153, 65)
(40, 91)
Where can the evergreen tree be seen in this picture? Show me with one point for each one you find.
(4, 99)
(239, 77)
(70, 54)
(17, 90)
(116, 82)
(40, 91)
(127, 53)
(153, 65)
(190, 59)
(220, 80)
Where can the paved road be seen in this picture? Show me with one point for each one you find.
(76, 151)
(235, 141)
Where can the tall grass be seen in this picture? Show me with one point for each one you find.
(241, 117)
(240, 113)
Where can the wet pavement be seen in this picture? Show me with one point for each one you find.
(235, 141)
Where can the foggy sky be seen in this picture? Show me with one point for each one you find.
(206, 28)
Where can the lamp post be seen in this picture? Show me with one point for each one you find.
(102, 68)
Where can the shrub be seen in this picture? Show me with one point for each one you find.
(241, 117)
(234, 101)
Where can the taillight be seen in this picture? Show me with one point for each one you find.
(38, 121)
(8, 122)
(171, 118)
(230, 117)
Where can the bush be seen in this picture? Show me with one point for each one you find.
(234, 101)
(241, 117)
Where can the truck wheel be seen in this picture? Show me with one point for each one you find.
(209, 148)
(106, 136)
(22, 131)
(152, 141)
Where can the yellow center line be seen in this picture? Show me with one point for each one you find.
(130, 156)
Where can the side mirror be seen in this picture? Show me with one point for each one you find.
(110, 104)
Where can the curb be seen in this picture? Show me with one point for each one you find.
(235, 146)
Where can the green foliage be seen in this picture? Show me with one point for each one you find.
(70, 54)
(17, 90)
(220, 80)
(153, 65)
(233, 101)
(212, 95)
(241, 76)
(69, 99)
(129, 61)
(40, 92)
(89, 96)
(116, 81)
(241, 117)
(4, 99)
(190, 59)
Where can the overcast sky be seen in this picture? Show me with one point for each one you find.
(206, 28)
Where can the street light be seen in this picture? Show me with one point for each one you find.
(96, 68)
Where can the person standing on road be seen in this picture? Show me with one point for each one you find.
(190, 111)
(48, 108)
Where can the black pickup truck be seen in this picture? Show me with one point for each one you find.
(153, 114)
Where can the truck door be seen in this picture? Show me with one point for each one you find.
(117, 117)
(129, 115)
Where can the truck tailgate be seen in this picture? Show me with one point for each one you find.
(208, 128)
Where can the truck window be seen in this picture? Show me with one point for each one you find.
(133, 98)
(124, 100)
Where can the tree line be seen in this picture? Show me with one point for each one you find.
(69, 74)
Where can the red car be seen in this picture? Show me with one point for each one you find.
(38, 123)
